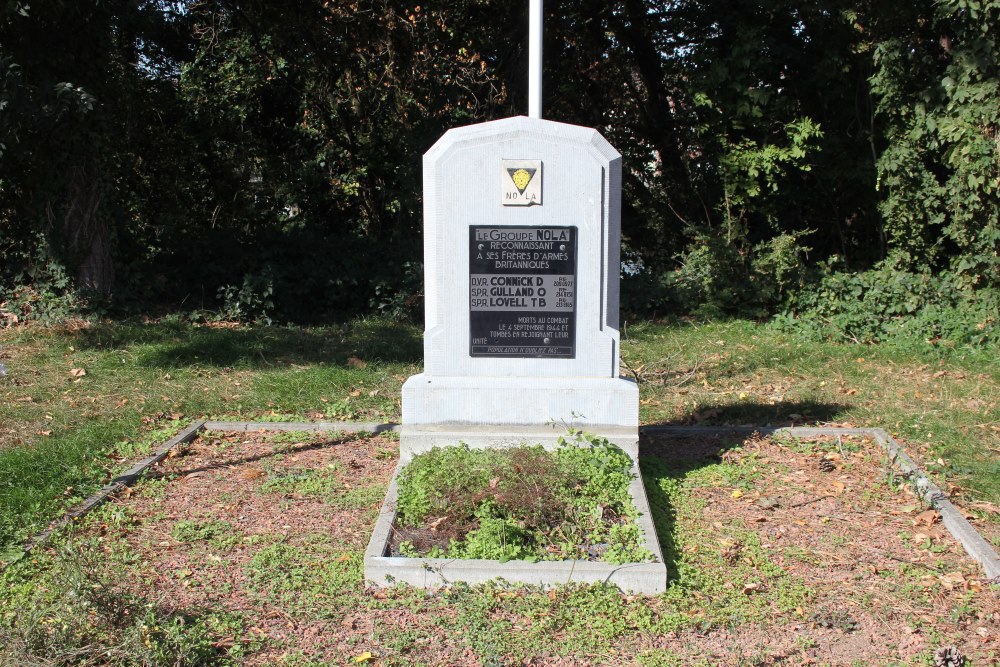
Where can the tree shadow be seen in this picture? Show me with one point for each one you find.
(178, 344)
(670, 451)
(748, 414)
(665, 460)
(274, 454)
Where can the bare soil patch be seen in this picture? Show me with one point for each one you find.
(781, 553)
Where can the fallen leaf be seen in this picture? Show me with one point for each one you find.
(985, 507)
(44, 432)
(343, 558)
(838, 487)
(737, 494)
(355, 393)
(354, 362)
(77, 372)
(364, 657)
(767, 503)
(751, 588)
(706, 414)
(251, 473)
(927, 518)
(436, 522)
(494, 482)
(952, 580)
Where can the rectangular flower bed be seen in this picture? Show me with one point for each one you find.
(578, 514)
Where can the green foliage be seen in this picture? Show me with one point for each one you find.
(43, 292)
(891, 304)
(201, 155)
(937, 81)
(218, 534)
(520, 503)
(252, 302)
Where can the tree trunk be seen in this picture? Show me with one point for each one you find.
(87, 235)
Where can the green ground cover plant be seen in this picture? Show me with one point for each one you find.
(522, 503)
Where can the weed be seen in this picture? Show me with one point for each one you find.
(296, 437)
(362, 496)
(218, 534)
(521, 503)
(68, 609)
(313, 582)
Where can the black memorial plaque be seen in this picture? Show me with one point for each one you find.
(522, 292)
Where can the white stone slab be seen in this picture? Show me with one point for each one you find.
(438, 411)
(463, 186)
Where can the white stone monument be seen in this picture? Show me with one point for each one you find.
(521, 266)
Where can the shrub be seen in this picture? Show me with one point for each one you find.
(891, 304)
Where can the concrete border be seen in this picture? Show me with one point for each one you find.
(345, 427)
(978, 548)
(383, 570)
(127, 478)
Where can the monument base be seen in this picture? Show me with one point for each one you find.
(509, 411)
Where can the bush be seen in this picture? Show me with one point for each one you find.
(43, 292)
(891, 304)
(715, 279)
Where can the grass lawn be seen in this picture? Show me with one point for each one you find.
(78, 401)
(247, 550)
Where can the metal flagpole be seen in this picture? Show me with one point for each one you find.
(535, 59)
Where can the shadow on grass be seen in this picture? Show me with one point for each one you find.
(277, 452)
(178, 344)
(748, 414)
(669, 455)
(668, 459)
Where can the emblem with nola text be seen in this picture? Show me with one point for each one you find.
(521, 182)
